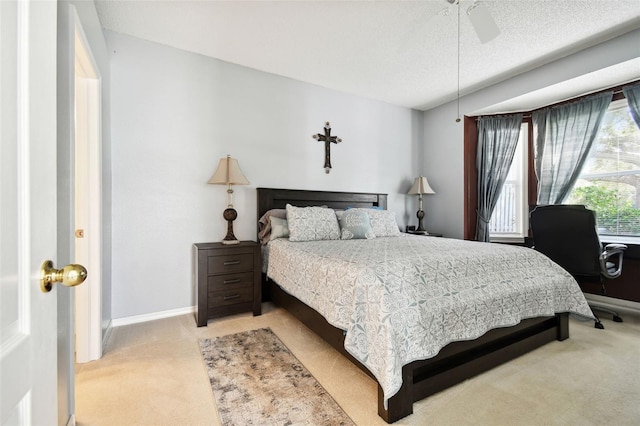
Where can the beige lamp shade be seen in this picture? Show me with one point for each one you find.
(228, 173)
(421, 186)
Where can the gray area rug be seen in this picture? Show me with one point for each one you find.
(257, 381)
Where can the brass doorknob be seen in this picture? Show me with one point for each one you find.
(70, 275)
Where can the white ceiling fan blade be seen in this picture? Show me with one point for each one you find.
(483, 23)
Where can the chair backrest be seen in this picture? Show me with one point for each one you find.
(567, 234)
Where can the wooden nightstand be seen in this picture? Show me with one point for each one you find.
(227, 279)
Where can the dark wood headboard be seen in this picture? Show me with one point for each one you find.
(269, 198)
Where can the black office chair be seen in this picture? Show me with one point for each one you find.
(567, 234)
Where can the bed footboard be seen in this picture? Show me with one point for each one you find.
(459, 361)
(456, 362)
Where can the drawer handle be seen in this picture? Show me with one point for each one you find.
(235, 280)
(233, 296)
(231, 262)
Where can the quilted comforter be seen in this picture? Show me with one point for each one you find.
(401, 299)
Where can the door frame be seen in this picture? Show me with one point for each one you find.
(87, 183)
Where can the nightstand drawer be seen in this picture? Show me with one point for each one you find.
(230, 263)
(230, 281)
(230, 297)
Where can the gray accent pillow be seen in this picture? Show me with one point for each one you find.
(355, 225)
(312, 223)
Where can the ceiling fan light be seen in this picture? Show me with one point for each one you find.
(483, 23)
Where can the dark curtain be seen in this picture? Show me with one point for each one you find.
(497, 141)
(632, 93)
(564, 136)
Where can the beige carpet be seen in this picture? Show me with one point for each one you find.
(257, 381)
(152, 374)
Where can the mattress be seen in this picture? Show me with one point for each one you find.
(402, 299)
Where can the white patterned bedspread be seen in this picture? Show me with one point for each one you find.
(402, 299)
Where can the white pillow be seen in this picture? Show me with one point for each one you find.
(312, 223)
(383, 222)
(279, 228)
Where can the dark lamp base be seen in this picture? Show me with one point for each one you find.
(230, 215)
(420, 229)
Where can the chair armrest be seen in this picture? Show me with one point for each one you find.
(614, 248)
(611, 250)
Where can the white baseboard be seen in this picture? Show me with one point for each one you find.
(615, 304)
(72, 420)
(107, 334)
(118, 322)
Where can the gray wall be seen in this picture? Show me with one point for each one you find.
(65, 186)
(175, 114)
(443, 137)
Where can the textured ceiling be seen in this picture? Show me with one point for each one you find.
(397, 51)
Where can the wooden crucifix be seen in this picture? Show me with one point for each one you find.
(328, 140)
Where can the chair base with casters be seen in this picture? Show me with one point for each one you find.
(598, 323)
(567, 234)
(595, 307)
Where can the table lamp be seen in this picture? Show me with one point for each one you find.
(420, 186)
(229, 173)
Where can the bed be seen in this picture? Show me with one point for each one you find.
(412, 377)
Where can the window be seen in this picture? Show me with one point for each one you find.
(609, 183)
(509, 220)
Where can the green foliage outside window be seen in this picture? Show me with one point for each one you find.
(610, 181)
(615, 216)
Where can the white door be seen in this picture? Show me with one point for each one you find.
(28, 358)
